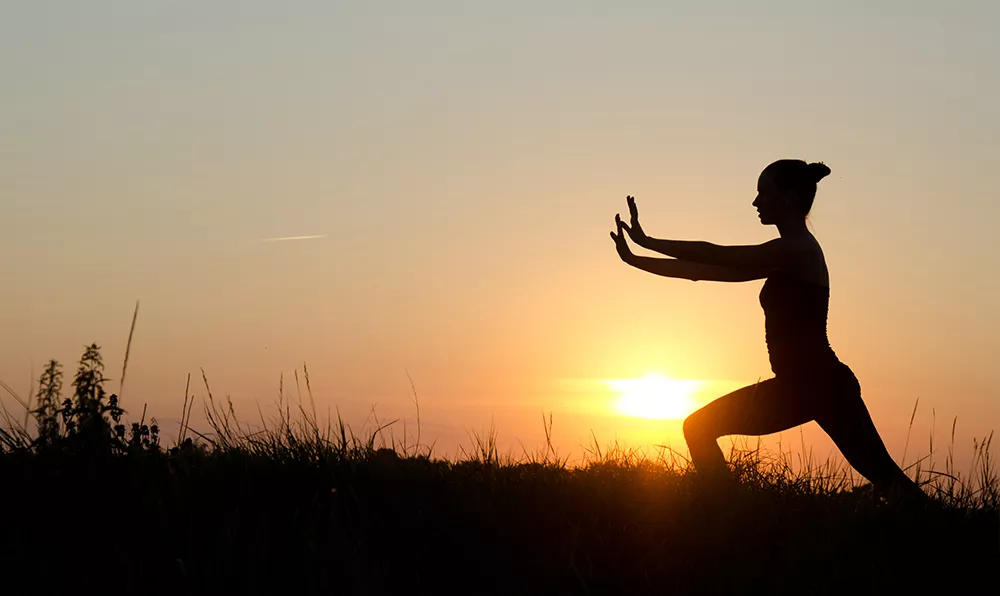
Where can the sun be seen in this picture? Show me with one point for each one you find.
(654, 396)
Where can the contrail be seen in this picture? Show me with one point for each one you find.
(284, 238)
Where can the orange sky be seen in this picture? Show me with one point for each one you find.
(463, 167)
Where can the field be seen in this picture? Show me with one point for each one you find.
(91, 502)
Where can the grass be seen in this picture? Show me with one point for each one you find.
(288, 505)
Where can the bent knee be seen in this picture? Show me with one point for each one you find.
(696, 429)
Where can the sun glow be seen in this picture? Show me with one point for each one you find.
(655, 396)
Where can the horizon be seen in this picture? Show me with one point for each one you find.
(418, 199)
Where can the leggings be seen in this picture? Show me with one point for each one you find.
(832, 398)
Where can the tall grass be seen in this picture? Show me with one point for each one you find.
(288, 503)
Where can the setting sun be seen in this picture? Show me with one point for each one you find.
(654, 396)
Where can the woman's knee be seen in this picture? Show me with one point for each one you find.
(696, 428)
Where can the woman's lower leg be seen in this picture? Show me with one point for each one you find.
(855, 435)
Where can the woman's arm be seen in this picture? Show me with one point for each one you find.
(683, 269)
(769, 256)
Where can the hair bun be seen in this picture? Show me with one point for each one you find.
(817, 171)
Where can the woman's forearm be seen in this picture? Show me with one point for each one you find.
(666, 267)
(687, 250)
(682, 269)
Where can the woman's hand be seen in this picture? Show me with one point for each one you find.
(634, 229)
(620, 243)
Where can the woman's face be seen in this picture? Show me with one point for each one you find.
(771, 203)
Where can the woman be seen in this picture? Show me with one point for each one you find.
(810, 382)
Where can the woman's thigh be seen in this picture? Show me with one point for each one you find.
(763, 408)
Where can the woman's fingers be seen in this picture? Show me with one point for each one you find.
(632, 209)
(622, 225)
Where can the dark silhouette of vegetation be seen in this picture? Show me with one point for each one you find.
(90, 420)
(92, 504)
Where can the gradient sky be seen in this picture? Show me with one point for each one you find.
(462, 164)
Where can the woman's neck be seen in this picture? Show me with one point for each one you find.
(791, 228)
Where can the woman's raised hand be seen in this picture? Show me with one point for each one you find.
(634, 230)
(621, 244)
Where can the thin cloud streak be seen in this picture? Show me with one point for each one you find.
(286, 238)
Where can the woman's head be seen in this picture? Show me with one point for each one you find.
(786, 189)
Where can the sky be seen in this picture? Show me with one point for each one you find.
(448, 173)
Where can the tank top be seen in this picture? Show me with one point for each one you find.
(795, 314)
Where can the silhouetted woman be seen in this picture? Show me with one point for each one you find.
(810, 382)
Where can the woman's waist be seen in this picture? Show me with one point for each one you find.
(811, 340)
